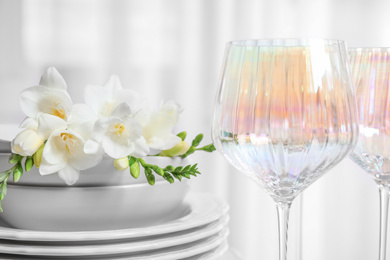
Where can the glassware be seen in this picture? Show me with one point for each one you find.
(371, 76)
(285, 113)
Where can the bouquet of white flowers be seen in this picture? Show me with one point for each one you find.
(63, 137)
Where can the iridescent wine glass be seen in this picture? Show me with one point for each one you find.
(285, 113)
(371, 76)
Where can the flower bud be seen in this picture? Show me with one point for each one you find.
(134, 167)
(121, 164)
(27, 142)
(179, 149)
(18, 172)
(29, 163)
(37, 157)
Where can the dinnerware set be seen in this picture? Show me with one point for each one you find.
(197, 230)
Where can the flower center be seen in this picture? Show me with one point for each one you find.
(58, 112)
(118, 129)
(69, 141)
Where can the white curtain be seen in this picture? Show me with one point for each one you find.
(172, 49)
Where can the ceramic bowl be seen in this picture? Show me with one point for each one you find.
(91, 208)
(102, 199)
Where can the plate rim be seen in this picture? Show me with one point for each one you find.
(119, 247)
(205, 208)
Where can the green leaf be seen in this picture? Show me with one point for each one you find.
(18, 172)
(158, 170)
(143, 163)
(190, 151)
(177, 176)
(186, 175)
(3, 190)
(187, 168)
(4, 175)
(170, 168)
(149, 176)
(168, 177)
(193, 167)
(178, 169)
(29, 163)
(197, 140)
(208, 148)
(15, 158)
(182, 135)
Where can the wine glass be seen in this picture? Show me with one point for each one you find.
(285, 113)
(371, 76)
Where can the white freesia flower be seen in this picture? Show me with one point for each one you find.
(104, 99)
(50, 97)
(158, 126)
(119, 135)
(64, 153)
(27, 142)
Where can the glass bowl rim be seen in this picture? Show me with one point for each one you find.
(369, 49)
(284, 42)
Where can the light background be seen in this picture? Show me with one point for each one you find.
(172, 49)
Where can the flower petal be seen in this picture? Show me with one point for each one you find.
(172, 109)
(164, 143)
(40, 99)
(52, 78)
(141, 148)
(99, 130)
(29, 122)
(115, 149)
(47, 168)
(131, 97)
(27, 142)
(160, 126)
(113, 83)
(121, 111)
(77, 158)
(47, 124)
(83, 161)
(100, 99)
(143, 116)
(92, 147)
(69, 174)
(54, 151)
(82, 120)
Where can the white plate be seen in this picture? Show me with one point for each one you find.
(198, 209)
(214, 254)
(113, 247)
(190, 251)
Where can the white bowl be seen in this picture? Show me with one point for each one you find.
(102, 199)
(92, 208)
(104, 174)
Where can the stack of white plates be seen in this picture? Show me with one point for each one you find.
(199, 231)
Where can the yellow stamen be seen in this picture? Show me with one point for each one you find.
(58, 112)
(69, 140)
(118, 129)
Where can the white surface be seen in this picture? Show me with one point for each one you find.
(231, 254)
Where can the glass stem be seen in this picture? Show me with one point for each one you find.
(384, 211)
(283, 209)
